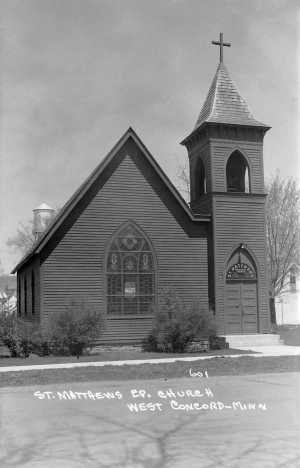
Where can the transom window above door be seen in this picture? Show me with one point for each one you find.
(130, 274)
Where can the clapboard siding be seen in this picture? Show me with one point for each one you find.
(202, 205)
(254, 154)
(131, 330)
(205, 153)
(33, 313)
(75, 264)
(236, 222)
(214, 154)
(219, 154)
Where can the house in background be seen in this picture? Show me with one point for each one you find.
(8, 293)
(287, 303)
(127, 233)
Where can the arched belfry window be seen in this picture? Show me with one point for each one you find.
(237, 174)
(200, 178)
(130, 274)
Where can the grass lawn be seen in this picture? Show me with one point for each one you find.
(215, 367)
(116, 354)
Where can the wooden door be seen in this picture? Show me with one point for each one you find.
(249, 307)
(241, 307)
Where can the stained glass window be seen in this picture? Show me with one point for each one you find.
(130, 274)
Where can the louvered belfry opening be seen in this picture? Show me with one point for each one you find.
(237, 173)
(130, 274)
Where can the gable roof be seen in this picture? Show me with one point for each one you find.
(288, 271)
(77, 196)
(224, 103)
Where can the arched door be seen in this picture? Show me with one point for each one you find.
(241, 297)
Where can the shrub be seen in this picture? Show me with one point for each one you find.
(17, 334)
(72, 329)
(176, 324)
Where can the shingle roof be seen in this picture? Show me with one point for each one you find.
(224, 103)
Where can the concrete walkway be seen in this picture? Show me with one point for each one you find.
(263, 351)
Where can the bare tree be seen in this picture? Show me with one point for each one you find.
(283, 236)
(6, 292)
(2, 274)
(283, 226)
(24, 240)
(182, 179)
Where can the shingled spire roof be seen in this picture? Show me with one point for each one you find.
(224, 103)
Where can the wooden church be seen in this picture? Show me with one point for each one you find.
(127, 232)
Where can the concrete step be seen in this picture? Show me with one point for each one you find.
(253, 340)
(254, 344)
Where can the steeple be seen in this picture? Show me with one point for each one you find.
(224, 103)
(225, 151)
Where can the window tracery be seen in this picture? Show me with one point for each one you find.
(130, 274)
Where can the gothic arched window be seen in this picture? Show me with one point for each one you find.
(200, 178)
(130, 274)
(237, 174)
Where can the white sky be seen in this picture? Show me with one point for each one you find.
(76, 74)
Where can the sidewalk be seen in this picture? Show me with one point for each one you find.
(263, 351)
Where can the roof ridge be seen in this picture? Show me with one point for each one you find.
(38, 245)
(215, 95)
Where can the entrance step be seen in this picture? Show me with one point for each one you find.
(253, 340)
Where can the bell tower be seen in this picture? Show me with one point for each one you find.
(225, 151)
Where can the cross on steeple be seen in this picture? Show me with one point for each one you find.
(221, 44)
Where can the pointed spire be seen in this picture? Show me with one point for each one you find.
(224, 103)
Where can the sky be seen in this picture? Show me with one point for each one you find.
(76, 74)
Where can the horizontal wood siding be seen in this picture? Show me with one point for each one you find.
(131, 330)
(203, 205)
(205, 153)
(254, 154)
(237, 221)
(32, 266)
(74, 266)
(219, 154)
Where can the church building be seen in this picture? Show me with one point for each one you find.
(126, 233)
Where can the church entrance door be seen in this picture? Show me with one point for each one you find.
(241, 307)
